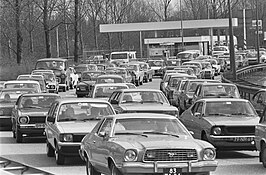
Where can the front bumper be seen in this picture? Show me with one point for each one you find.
(69, 148)
(233, 142)
(32, 129)
(158, 167)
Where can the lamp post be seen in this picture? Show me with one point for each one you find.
(181, 20)
(257, 30)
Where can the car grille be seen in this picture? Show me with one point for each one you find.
(78, 138)
(37, 119)
(170, 155)
(6, 111)
(239, 130)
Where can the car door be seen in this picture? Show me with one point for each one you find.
(259, 101)
(197, 120)
(187, 117)
(50, 128)
(260, 131)
(99, 144)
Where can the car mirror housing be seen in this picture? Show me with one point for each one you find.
(114, 102)
(197, 114)
(50, 119)
(102, 134)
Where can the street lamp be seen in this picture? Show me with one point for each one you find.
(181, 16)
(231, 40)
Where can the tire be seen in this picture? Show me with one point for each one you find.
(19, 137)
(90, 169)
(140, 82)
(79, 96)
(263, 155)
(49, 149)
(150, 79)
(59, 158)
(114, 170)
(137, 83)
(64, 89)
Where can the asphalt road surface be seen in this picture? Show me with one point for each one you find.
(33, 154)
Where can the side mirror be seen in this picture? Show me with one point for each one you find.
(114, 102)
(102, 134)
(191, 132)
(197, 114)
(50, 119)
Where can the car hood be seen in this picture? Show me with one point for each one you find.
(232, 121)
(76, 126)
(34, 112)
(154, 141)
(146, 107)
(7, 105)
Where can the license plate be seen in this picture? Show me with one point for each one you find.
(41, 125)
(172, 171)
(243, 139)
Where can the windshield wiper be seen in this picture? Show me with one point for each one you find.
(220, 114)
(240, 113)
(88, 119)
(161, 133)
(36, 107)
(130, 133)
(151, 102)
(67, 119)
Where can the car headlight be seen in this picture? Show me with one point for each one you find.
(216, 130)
(130, 155)
(23, 119)
(66, 138)
(209, 154)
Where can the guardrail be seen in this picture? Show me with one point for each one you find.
(246, 89)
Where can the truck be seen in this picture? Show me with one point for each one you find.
(123, 57)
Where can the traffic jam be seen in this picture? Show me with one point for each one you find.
(116, 126)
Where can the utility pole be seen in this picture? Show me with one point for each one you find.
(231, 40)
(182, 34)
(257, 29)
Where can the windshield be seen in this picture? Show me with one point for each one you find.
(184, 55)
(220, 90)
(149, 126)
(23, 85)
(90, 76)
(12, 96)
(232, 108)
(144, 97)
(156, 63)
(48, 65)
(118, 56)
(80, 69)
(83, 111)
(251, 55)
(109, 80)
(37, 101)
(106, 91)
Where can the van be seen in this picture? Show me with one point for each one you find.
(123, 57)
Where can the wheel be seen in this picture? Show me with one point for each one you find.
(79, 96)
(137, 83)
(90, 170)
(140, 82)
(59, 158)
(114, 170)
(49, 149)
(150, 79)
(263, 155)
(18, 136)
(64, 89)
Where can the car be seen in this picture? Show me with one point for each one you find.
(207, 70)
(39, 78)
(194, 63)
(84, 67)
(68, 121)
(188, 55)
(212, 90)
(141, 100)
(258, 100)
(145, 143)
(185, 97)
(186, 70)
(88, 79)
(215, 66)
(50, 79)
(104, 91)
(8, 98)
(29, 113)
(137, 71)
(165, 79)
(173, 82)
(125, 73)
(23, 84)
(195, 68)
(157, 66)
(220, 50)
(148, 72)
(109, 78)
(227, 123)
(61, 69)
(221, 61)
(260, 138)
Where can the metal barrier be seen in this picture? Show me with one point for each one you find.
(246, 89)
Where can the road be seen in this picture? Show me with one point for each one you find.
(33, 153)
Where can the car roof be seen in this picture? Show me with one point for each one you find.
(213, 84)
(22, 81)
(141, 115)
(81, 100)
(16, 89)
(182, 75)
(112, 84)
(222, 99)
(204, 80)
(110, 76)
(52, 59)
(139, 90)
(40, 94)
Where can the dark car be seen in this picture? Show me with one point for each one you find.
(109, 78)
(141, 100)
(259, 101)
(29, 113)
(227, 123)
(88, 78)
(8, 98)
(145, 144)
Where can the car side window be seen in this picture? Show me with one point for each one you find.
(199, 108)
(106, 126)
(193, 109)
(112, 96)
(55, 111)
